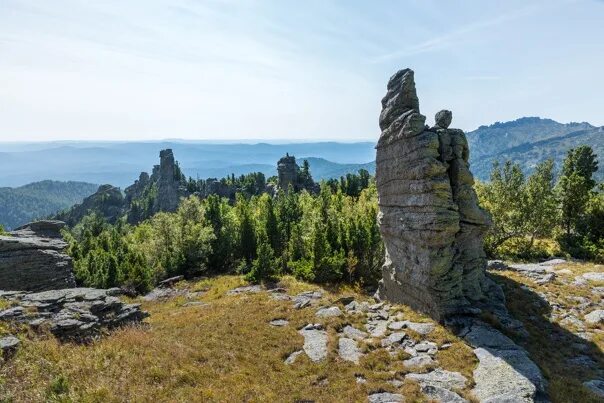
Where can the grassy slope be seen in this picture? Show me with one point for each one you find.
(226, 351)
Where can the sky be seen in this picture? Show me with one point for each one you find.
(289, 70)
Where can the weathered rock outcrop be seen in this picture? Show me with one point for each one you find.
(429, 218)
(290, 174)
(170, 182)
(32, 258)
(74, 314)
(287, 171)
(107, 201)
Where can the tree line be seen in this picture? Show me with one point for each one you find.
(326, 237)
(546, 214)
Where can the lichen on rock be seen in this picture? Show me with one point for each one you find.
(429, 218)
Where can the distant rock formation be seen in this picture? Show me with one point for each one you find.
(429, 218)
(171, 184)
(148, 195)
(290, 174)
(107, 202)
(32, 258)
(287, 171)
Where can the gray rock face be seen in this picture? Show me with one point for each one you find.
(429, 217)
(32, 258)
(73, 314)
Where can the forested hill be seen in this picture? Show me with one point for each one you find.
(528, 141)
(39, 199)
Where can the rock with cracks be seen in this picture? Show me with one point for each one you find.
(429, 217)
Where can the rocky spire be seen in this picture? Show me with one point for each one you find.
(169, 182)
(429, 217)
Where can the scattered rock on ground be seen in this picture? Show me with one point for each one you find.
(594, 276)
(348, 350)
(292, 357)
(8, 344)
(75, 314)
(248, 289)
(443, 395)
(330, 312)
(279, 322)
(440, 378)
(595, 317)
(315, 342)
(386, 397)
(418, 362)
(354, 333)
(422, 328)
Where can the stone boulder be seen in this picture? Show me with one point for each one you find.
(33, 258)
(429, 217)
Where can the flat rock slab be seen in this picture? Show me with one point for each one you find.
(595, 317)
(386, 398)
(279, 322)
(394, 338)
(418, 361)
(505, 370)
(377, 328)
(594, 276)
(248, 289)
(421, 328)
(440, 378)
(497, 380)
(354, 333)
(330, 312)
(348, 349)
(9, 344)
(315, 343)
(443, 395)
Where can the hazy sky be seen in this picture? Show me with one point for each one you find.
(243, 69)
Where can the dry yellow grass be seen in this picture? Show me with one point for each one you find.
(223, 352)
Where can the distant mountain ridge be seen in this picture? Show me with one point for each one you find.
(529, 141)
(40, 199)
(121, 163)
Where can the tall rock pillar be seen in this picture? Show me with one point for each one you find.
(429, 217)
